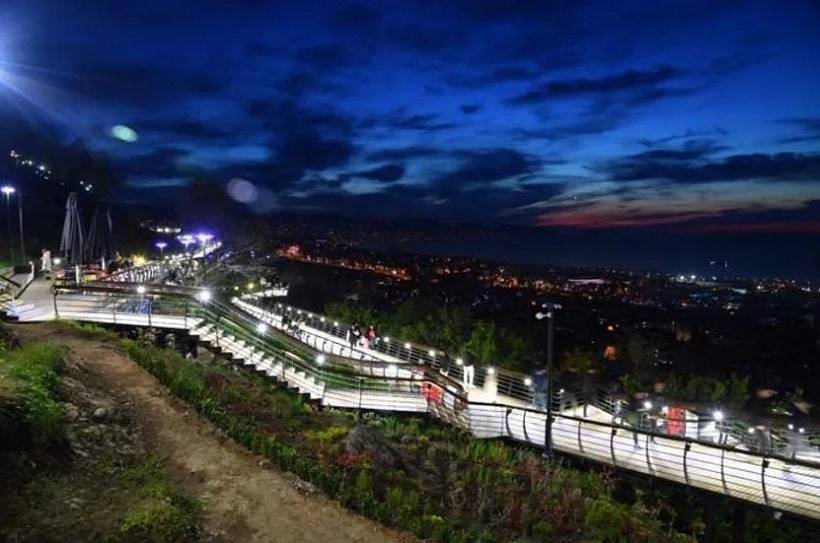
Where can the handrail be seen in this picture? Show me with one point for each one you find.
(784, 483)
(10, 281)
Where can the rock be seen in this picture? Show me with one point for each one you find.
(100, 413)
(365, 439)
(72, 412)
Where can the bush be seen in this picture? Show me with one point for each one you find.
(29, 382)
(433, 480)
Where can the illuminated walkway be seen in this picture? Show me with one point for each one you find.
(395, 378)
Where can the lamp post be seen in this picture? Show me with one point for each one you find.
(204, 238)
(20, 217)
(8, 191)
(161, 245)
(186, 240)
(548, 313)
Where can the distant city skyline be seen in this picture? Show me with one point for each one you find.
(692, 118)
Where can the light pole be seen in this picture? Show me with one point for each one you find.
(186, 240)
(548, 313)
(161, 245)
(20, 216)
(204, 238)
(8, 191)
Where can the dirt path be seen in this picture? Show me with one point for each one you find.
(244, 500)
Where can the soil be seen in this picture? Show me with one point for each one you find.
(245, 498)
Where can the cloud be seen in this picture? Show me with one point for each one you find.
(693, 166)
(478, 168)
(387, 173)
(803, 220)
(500, 74)
(162, 162)
(184, 127)
(469, 109)
(685, 135)
(327, 56)
(625, 81)
(404, 153)
(355, 17)
(301, 140)
(426, 39)
(427, 122)
(808, 130)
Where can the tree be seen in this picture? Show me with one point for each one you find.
(581, 361)
(484, 342)
(639, 353)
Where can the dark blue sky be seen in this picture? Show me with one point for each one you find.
(682, 116)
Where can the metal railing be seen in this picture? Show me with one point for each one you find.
(765, 477)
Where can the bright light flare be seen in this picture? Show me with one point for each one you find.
(123, 133)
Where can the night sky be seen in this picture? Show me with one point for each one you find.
(698, 117)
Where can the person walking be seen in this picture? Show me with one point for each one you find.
(45, 261)
(634, 419)
(469, 375)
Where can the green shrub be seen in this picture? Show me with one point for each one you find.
(331, 434)
(444, 485)
(29, 382)
(88, 329)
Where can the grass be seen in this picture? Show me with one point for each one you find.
(86, 329)
(158, 512)
(29, 382)
(102, 501)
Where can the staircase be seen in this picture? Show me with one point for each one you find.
(238, 351)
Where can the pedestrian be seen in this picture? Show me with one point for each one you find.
(539, 386)
(445, 364)
(371, 334)
(792, 441)
(634, 419)
(45, 261)
(469, 375)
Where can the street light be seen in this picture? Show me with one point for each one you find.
(204, 238)
(186, 240)
(8, 191)
(549, 314)
(161, 245)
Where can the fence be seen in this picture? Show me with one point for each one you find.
(586, 430)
